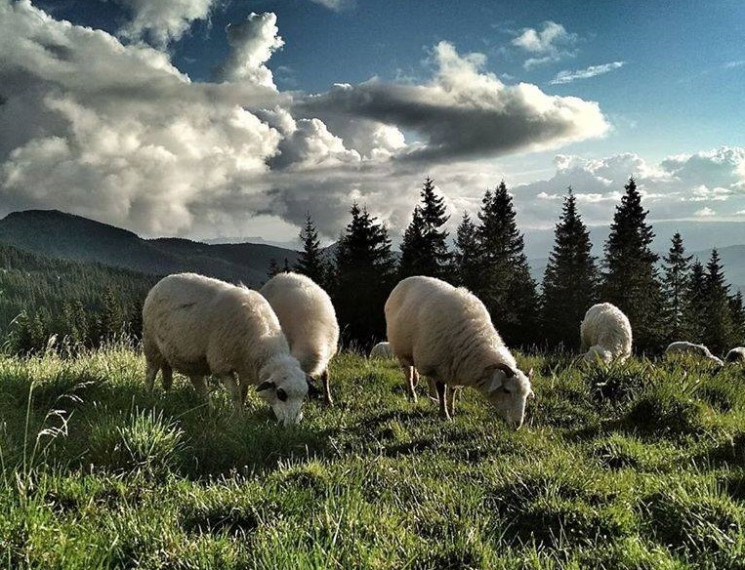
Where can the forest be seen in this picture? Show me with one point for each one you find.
(667, 298)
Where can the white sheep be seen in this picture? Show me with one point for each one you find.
(381, 350)
(446, 334)
(737, 354)
(688, 348)
(308, 320)
(198, 326)
(605, 333)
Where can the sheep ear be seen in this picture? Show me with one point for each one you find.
(281, 395)
(495, 382)
(265, 386)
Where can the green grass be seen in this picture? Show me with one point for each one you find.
(628, 466)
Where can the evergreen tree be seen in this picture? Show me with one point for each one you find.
(630, 280)
(571, 278)
(311, 261)
(506, 288)
(424, 248)
(718, 327)
(273, 268)
(695, 303)
(364, 277)
(674, 286)
(414, 258)
(737, 310)
(467, 264)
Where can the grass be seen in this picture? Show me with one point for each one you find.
(637, 465)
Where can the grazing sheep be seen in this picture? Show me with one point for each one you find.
(308, 320)
(381, 350)
(736, 355)
(606, 334)
(198, 326)
(446, 334)
(699, 350)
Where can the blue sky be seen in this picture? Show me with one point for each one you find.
(541, 93)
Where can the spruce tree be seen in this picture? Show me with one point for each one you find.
(718, 327)
(695, 303)
(571, 278)
(414, 255)
(466, 258)
(310, 262)
(506, 288)
(364, 277)
(273, 268)
(674, 286)
(424, 249)
(737, 310)
(630, 279)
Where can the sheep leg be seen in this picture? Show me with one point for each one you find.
(166, 377)
(450, 399)
(411, 375)
(326, 390)
(432, 389)
(234, 389)
(200, 386)
(442, 397)
(152, 372)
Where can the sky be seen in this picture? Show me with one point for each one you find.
(220, 118)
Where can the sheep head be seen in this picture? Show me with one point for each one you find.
(508, 390)
(284, 390)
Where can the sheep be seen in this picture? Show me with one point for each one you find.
(737, 354)
(684, 347)
(446, 334)
(308, 320)
(605, 334)
(381, 350)
(198, 326)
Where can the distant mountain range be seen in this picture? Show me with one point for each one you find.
(66, 236)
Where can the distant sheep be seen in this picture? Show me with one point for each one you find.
(688, 348)
(198, 326)
(446, 334)
(605, 333)
(381, 350)
(308, 320)
(736, 355)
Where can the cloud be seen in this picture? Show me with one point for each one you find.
(567, 76)
(550, 44)
(163, 22)
(463, 111)
(734, 64)
(334, 5)
(252, 43)
(704, 213)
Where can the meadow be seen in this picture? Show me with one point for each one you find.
(640, 465)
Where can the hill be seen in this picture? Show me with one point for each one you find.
(66, 236)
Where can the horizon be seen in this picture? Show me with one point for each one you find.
(213, 119)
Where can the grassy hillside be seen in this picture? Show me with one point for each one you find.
(61, 235)
(634, 466)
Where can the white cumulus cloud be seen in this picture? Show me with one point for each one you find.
(550, 44)
(163, 21)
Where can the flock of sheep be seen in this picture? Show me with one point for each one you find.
(281, 338)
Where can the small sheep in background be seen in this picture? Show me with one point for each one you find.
(737, 354)
(381, 350)
(605, 333)
(198, 326)
(691, 349)
(308, 320)
(446, 334)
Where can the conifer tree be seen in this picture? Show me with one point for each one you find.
(310, 261)
(571, 278)
(506, 288)
(737, 310)
(695, 302)
(364, 277)
(466, 258)
(630, 279)
(273, 268)
(424, 249)
(674, 286)
(718, 326)
(414, 255)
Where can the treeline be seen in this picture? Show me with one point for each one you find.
(81, 304)
(677, 299)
